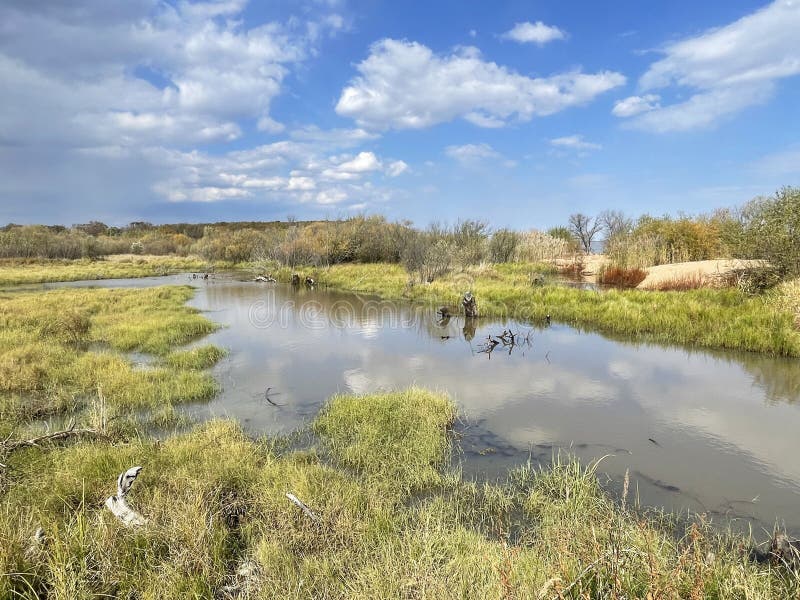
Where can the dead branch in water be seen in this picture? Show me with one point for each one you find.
(508, 339)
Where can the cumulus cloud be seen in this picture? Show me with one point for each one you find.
(728, 69)
(534, 33)
(634, 105)
(405, 85)
(114, 101)
(292, 170)
(574, 142)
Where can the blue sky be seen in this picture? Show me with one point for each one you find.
(518, 113)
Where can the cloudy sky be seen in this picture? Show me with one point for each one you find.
(517, 112)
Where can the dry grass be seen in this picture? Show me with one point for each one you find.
(220, 526)
(621, 276)
(681, 283)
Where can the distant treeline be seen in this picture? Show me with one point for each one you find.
(765, 228)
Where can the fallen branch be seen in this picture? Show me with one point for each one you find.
(117, 503)
(8, 446)
(302, 506)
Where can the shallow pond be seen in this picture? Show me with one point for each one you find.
(706, 431)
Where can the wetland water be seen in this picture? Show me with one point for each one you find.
(706, 431)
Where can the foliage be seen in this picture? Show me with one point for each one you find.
(503, 245)
(769, 229)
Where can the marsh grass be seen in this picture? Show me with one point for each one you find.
(22, 271)
(59, 347)
(712, 318)
(387, 526)
(202, 357)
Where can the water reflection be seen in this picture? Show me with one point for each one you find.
(708, 431)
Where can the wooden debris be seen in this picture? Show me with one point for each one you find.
(118, 505)
(470, 305)
(302, 506)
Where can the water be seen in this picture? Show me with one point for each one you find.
(706, 431)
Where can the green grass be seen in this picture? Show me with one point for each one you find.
(59, 347)
(711, 318)
(215, 504)
(199, 358)
(18, 271)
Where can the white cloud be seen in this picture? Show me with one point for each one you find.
(534, 33)
(335, 137)
(574, 142)
(396, 168)
(469, 153)
(364, 162)
(728, 68)
(634, 105)
(289, 170)
(405, 85)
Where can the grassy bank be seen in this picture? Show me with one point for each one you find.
(18, 271)
(61, 349)
(712, 318)
(390, 521)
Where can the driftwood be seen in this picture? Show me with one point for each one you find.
(508, 339)
(470, 305)
(8, 446)
(265, 279)
(118, 505)
(302, 506)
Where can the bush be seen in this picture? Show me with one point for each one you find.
(769, 229)
(620, 276)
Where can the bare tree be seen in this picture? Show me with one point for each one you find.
(585, 229)
(614, 223)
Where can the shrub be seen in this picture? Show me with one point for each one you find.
(621, 276)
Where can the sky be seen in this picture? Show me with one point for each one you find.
(518, 113)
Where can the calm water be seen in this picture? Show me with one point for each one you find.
(713, 432)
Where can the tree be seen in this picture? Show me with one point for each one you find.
(770, 230)
(615, 223)
(584, 229)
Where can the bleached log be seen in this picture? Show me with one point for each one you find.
(117, 503)
(302, 506)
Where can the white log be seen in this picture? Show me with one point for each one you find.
(302, 506)
(119, 506)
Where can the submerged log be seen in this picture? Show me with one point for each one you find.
(470, 305)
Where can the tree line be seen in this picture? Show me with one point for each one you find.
(765, 228)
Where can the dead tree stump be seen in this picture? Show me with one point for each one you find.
(470, 305)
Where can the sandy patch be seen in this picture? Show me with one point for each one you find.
(709, 270)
